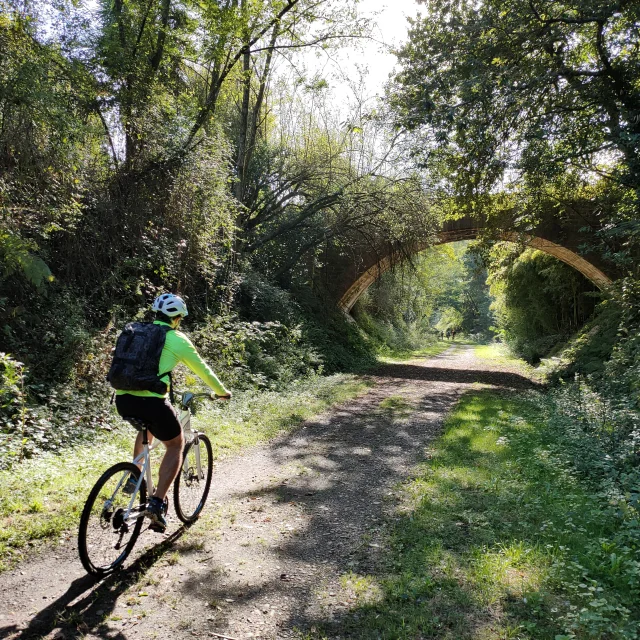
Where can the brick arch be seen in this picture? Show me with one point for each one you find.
(568, 256)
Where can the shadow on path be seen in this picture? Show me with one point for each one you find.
(87, 603)
(456, 376)
(352, 460)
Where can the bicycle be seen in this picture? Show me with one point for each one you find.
(112, 518)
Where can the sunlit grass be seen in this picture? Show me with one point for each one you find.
(361, 588)
(498, 354)
(425, 352)
(253, 417)
(42, 498)
(397, 406)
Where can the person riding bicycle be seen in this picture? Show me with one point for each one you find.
(154, 408)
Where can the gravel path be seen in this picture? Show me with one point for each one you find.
(284, 522)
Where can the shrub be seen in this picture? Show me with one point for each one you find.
(49, 333)
(35, 418)
(538, 301)
(590, 350)
(255, 354)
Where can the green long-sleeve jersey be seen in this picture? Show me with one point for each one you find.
(178, 348)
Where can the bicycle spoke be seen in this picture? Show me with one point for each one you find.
(194, 480)
(107, 531)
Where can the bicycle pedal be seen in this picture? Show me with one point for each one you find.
(157, 527)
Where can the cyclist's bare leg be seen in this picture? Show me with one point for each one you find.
(170, 465)
(138, 446)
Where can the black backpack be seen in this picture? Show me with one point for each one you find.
(137, 357)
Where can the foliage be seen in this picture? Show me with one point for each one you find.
(35, 419)
(443, 288)
(267, 355)
(538, 301)
(339, 340)
(450, 320)
(325, 331)
(51, 332)
(17, 256)
(140, 152)
(263, 355)
(528, 89)
(328, 187)
(588, 352)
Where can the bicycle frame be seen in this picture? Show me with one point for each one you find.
(132, 515)
(191, 437)
(145, 458)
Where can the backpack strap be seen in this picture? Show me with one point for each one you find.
(171, 395)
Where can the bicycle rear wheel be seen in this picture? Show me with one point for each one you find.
(104, 538)
(191, 487)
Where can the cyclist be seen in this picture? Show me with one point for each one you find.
(155, 408)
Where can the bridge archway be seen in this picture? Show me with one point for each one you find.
(362, 282)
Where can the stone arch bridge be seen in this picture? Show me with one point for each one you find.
(562, 240)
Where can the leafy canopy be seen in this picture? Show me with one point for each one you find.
(502, 90)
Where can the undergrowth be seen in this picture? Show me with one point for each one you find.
(274, 342)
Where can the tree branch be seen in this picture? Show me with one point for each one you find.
(209, 106)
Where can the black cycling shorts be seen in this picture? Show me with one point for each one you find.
(158, 412)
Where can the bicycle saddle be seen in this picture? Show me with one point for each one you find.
(137, 423)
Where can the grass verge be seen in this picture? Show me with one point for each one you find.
(497, 536)
(41, 499)
(425, 352)
(499, 354)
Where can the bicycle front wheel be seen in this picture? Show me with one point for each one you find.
(106, 535)
(191, 487)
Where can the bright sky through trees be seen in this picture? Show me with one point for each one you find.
(391, 17)
(372, 59)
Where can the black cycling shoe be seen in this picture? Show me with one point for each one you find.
(155, 511)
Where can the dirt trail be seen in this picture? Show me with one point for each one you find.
(284, 522)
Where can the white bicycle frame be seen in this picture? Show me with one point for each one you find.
(145, 459)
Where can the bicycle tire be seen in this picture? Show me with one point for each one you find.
(106, 520)
(190, 492)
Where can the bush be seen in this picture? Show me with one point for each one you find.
(538, 301)
(263, 355)
(259, 299)
(589, 351)
(336, 340)
(35, 418)
(49, 333)
(389, 337)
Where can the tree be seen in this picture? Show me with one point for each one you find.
(323, 186)
(524, 89)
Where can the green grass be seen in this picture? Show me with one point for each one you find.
(499, 354)
(496, 352)
(41, 499)
(425, 352)
(497, 537)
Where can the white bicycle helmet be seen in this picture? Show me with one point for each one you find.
(171, 305)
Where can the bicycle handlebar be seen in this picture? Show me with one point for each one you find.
(187, 397)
